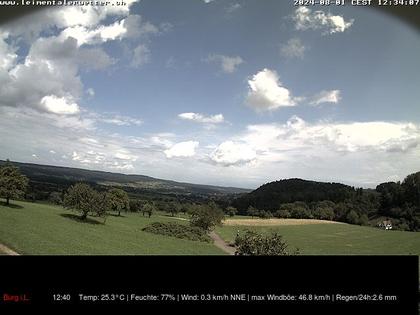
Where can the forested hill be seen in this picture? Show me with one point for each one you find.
(47, 178)
(271, 195)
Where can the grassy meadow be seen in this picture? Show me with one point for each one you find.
(337, 239)
(33, 228)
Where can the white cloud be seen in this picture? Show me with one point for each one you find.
(57, 59)
(136, 27)
(98, 35)
(298, 145)
(294, 48)
(7, 55)
(200, 118)
(182, 149)
(59, 105)
(267, 93)
(228, 64)
(141, 56)
(326, 97)
(305, 19)
(90, 92)
(208, 1)
(233, 7)
(296, 134)
(231, 153)
(119, 120)
(30, 26)
(52, 152)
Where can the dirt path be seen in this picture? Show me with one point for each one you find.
(219, 242)
(7, 251)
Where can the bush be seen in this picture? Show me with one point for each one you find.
(254, 244)
(178, 230)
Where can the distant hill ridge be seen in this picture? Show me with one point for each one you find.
(64, 176)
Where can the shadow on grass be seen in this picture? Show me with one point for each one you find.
(10, 205)
(116, 215)
(77, 219)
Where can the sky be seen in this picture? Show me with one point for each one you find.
(229, 93)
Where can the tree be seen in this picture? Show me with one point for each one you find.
(251, 211)
(231, 211)
(411, 186)
(207, 216)
(185, 208)
(117, 200)
(80, 197)
(55, 198)
(352, 217)
(282, 213)
(262, 214)
(252, 244)
(99, 204)
(135, 205)
(363, 220)
(148, 208)
(12, 183)
(174, 208)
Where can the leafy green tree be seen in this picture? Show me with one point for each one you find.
(363, 220)
(411, 186)
(12, 183)
(265, 214)
(99, 204)
(231, 211)
(352, 217)
(136, 205)
(252, 243)
(251, 211)
(207, 216)
(55, 198)
(300, 210)
(80, 197)
(184, 208)
(282, 213)
(174, 208)
(117, 200)
(148, 208)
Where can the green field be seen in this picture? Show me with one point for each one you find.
(33, 228)
(338, 239)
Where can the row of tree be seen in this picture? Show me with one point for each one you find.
(296, 198)
(88, 201)
(322, 210)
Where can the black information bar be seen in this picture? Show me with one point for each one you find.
(386, 284)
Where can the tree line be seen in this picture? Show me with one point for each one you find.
(292, 198)
(297, 198)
